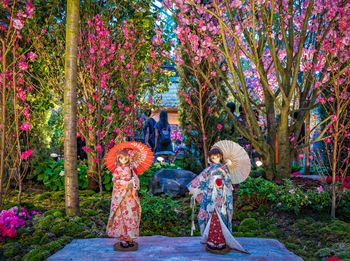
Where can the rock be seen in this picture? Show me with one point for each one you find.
(171, 181)
(157, 248)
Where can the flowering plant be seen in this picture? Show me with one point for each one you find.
(17, 39)
(12, 219)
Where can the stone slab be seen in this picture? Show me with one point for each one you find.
(159, 248)
(314, 177)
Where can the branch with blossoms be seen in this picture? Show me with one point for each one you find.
(116, 70)
(200, 98)
(335, 102)
(273, 53)
(16, 54)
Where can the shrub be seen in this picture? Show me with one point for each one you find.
(51, 173)
(158, 210)
(259, 191)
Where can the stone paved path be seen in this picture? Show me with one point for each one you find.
(158, 248)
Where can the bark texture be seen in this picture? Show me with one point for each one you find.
(70, 102)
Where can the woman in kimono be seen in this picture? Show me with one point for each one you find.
(212, 189)
(125, 215)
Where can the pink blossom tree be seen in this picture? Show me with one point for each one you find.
(273, 53)
(15, 58)
(117, 69)
(201, 100)
(335, 101)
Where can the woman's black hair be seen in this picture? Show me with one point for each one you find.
(231, 106)
(148, 112)
(163, 118)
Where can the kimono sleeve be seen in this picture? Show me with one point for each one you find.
(227, 177)
(198, 185)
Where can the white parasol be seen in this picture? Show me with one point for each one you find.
(240, 166)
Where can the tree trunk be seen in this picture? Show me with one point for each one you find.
(70, 103)
(205, 147)
(92, 173)
(307, 149)
(269, 162)
(334, 167)
(20, 189)
(284, 150)
(201, 119)
(270, 156)
(100, 180)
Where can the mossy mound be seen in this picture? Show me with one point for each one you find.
(46, 250)
(248, 225)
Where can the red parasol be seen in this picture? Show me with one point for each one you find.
(141, 158)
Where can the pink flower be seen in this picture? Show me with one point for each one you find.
(126, 109)
(331, 99)
(321, 100)
(78, 134)
(17, 24)
(26, 154)
(301, 155)
(109, 118)
(23, 66)
(296, 174)
(89, 105)
(92, 50)
(334, 118)
(219, 126)
(87, 149)
(213, 73)
(333, 259)
(99, 148)
(29, 9)
(204, 138)
(320, 189)
(318, 84)
(32, 56)
(96, 160)
(25, 126)
(108, 107)
(327, 140)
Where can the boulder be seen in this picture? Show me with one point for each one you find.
(170, 181)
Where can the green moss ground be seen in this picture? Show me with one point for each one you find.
(311, 236)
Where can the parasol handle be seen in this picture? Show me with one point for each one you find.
(228, 163)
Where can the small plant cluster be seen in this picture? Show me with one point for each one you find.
(157, 211)
(51, 173)
(12, 219)
(290, 198)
